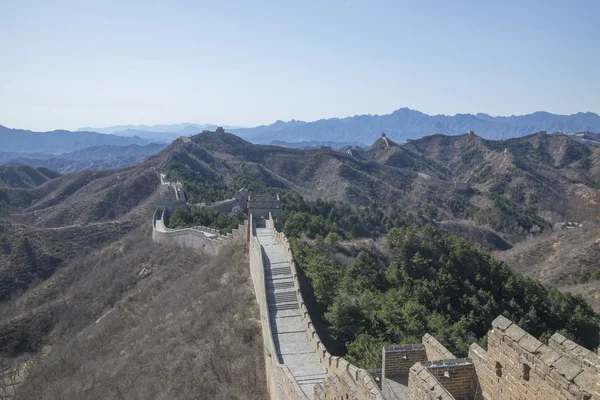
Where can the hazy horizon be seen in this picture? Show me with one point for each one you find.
(229, 126)
(68, 66)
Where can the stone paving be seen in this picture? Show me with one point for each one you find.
(291, 341)
(396, 387)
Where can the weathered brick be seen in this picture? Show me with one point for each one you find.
(515, 332)
(565, 367)
(502, 323)
(530, 343)
(558, 338)
(548, 355)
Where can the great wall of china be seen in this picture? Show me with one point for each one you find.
(298, 366)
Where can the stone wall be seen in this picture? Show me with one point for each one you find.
(435, 350)
(195, 237)
(455, 376)
(397, 359)
(432, 370)
(422, 385)
(358, 384)
(517, 365)
(226, 206)
(264, 206)
(586, 359)
(280, 382)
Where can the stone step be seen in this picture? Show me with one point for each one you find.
(316, 379)
(276, 278)
(280, 285)
(283, 306)
(292, 344)
(280, 270)
(282, 297)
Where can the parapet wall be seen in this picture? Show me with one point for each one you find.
(579, 355)
(517, 365)
(280, 381)
(201, 238)
(226, 206)
(427, 359)
(435, 350)
(444, 379)
(397, 359)
(358, 383)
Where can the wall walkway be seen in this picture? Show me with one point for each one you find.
(292, 344)
(357, 383)
(297, 364)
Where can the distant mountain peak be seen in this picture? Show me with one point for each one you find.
(405, 123)
(383, 142)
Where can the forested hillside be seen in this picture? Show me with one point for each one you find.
(366, 294)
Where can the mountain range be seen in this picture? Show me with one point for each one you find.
(157, 133)
(90, 158)
(404, 124)
(89, 300)
(59, 141)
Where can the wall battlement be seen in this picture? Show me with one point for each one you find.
(517, 365)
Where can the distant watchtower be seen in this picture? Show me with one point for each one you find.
(471, 133)
(220, 129)
(384, 137)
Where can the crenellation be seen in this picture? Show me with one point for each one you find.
(577, 354)
(517, 364)
(434, 349)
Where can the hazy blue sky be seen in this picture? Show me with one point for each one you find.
(67, 64)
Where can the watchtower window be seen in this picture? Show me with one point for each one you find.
(526, 369)
(498, 369)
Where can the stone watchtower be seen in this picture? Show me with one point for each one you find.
(261, 206)
(220, 129)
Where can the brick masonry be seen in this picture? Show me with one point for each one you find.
(397, 359)
(423, 385)
(456, 376)
(518, 366)
(435, 350)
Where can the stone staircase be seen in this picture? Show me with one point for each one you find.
(291, 341)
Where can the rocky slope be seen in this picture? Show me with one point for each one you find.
(567, 258)
(91, 308)
(24, 176)
(516, 187)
